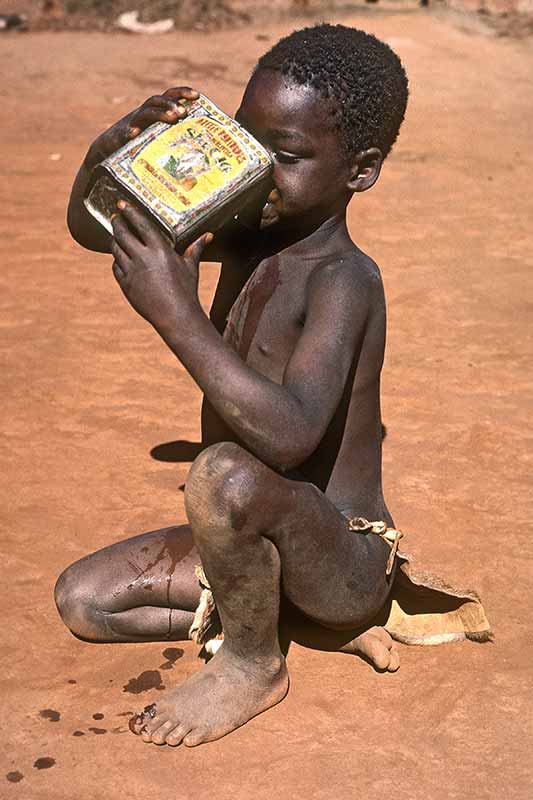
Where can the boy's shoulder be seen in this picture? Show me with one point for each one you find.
(348, 276)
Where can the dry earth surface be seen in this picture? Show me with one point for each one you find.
(90, 391)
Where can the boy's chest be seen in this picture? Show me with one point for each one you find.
(267, 318)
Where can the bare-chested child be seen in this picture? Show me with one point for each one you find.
(289, 363)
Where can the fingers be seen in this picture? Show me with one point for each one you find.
(118, 272)
(122, 262)
(160, 111)
(182, 91)
(167, 107)
(194, 251)
(131, 224)
(161, 108)
(124, 240)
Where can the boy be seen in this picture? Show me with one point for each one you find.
(289, 363)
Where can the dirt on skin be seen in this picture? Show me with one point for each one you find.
(90, 390)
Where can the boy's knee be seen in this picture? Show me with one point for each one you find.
(75, 605)
(221, 487)
(214, 461)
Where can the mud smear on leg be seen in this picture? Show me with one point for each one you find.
(174, 549)
(150, 679)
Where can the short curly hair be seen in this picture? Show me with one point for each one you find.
(363, 79)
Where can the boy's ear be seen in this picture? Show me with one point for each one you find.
(365, 169)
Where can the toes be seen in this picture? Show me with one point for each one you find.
(388, 642)
(381, 650)
(383, 636)
(177, 735)
(137, 723)
(148, 731)
(160, 735)
(195, 737)
(377, 653)
(151, 726)
(141, 722)
(394, 663)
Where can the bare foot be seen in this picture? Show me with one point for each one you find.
(376, 646)
(224, 695)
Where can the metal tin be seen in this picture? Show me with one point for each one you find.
(191, 176)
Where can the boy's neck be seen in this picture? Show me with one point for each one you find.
(332, 233)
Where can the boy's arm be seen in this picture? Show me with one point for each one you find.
(281, 424)
(82, 226)
(159, 108)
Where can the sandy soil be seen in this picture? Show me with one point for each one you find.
(91, 391)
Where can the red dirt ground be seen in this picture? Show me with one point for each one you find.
(92, 390)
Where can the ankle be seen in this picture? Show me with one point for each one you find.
(265, 664)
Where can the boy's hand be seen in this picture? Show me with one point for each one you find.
(160, 284)
(164, 107)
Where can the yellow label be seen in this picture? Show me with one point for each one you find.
(189, 161)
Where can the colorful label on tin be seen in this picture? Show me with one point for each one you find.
(182, 172)
(182, 169)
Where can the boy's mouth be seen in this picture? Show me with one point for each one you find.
(269, 216)
(261, 215)
(270, 212)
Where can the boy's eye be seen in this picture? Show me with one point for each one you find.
(285, 158)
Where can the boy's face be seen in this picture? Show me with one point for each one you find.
(311, 170)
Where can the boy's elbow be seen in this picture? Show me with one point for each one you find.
(98, 243)
(73, 228)
(286, 462)
(298, 439)
(291, 455)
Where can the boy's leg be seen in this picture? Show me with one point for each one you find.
(255, 530)
(140, 589)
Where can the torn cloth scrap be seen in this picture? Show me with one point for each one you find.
(422, 609)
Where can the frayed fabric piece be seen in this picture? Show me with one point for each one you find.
(425, 610)
(421, 610)
(206, 628)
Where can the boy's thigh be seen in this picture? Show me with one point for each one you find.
(152, 569)
(335, 576)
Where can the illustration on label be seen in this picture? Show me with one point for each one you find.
(181, 170)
